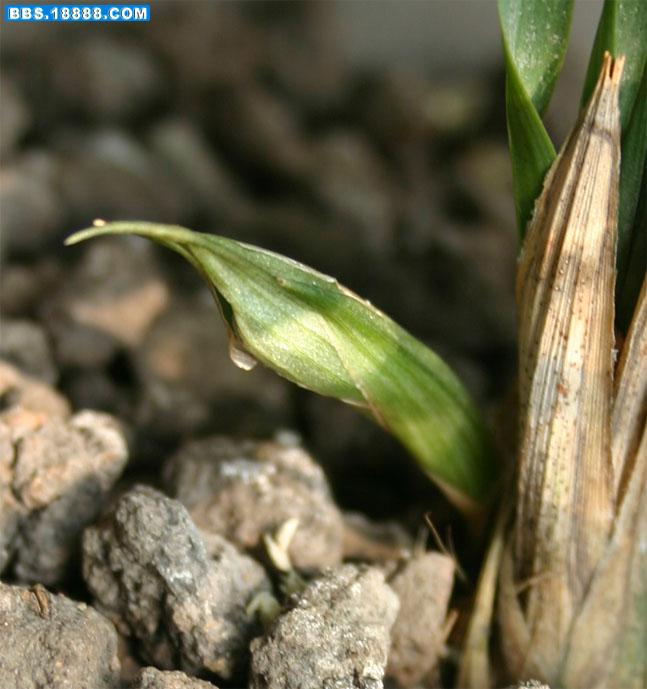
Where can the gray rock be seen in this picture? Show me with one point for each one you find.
(110, 174)
(212, 188)
(150, 570)
(225, 48)
(50, 467)
(109, 79)
(14, 116)
(109, 301)
(152, 678)
(52, 642)
(303, 56)
(423, 584)
(25, 344)
(23, 286)
(334, 634)
(32, 212)
(244, 489)
(56, 475)
(267, 137)
(352, 183)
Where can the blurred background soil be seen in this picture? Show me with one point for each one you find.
(365, 139)
(250, 120)
(345, 135)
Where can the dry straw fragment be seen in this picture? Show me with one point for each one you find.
(568, 482)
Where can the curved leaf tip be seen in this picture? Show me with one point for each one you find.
(323, 337)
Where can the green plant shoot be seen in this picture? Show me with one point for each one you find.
(313, 331)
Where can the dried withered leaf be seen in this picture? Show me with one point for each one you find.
(474, 670)
(630, 398)
(612, 623)
(618, 591)
(607, 641)
(565, 295)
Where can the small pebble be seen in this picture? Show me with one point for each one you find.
(152, 678)
(335, 633)
(109, 301)
(32, 211)
(26, 345)
(183, 600)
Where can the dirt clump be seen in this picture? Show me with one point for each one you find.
(335, 633)
(423, 584)
(49, 640)
(56, 472)
(245, 489)
(183, 599)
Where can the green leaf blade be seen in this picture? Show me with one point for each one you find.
(321, 336)
(535, 38)
(632, 212)
(531, 151)
(622, 30)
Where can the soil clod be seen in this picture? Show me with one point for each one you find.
(49, 640)
(335, 633)
(182, 598)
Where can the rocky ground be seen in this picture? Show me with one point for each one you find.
(167, 520)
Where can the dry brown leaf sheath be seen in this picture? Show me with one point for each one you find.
(630, 399)
(565, 295)
(612, 623)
